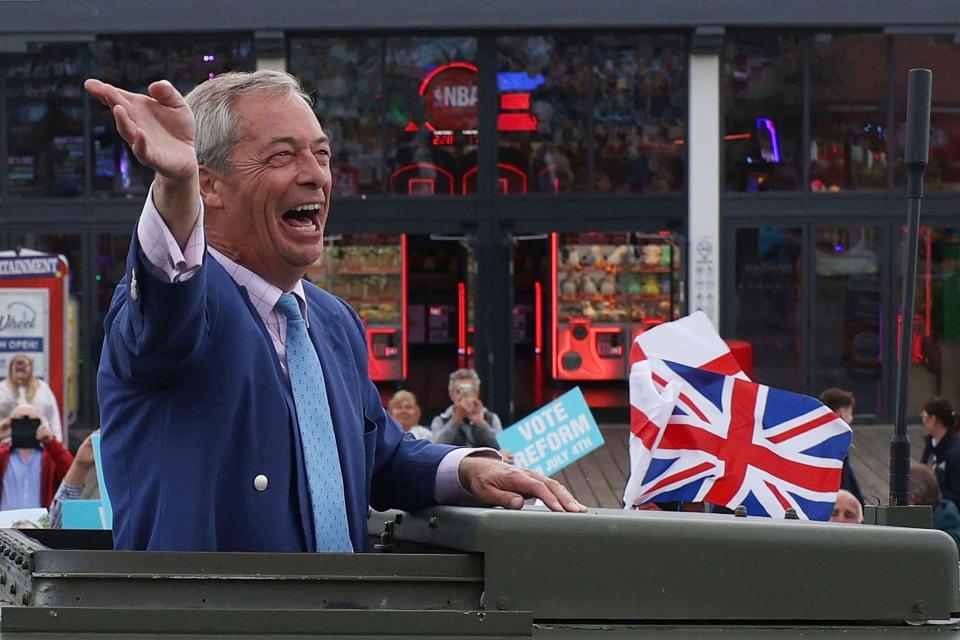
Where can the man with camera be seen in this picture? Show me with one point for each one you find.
(466, 422)
(32, 462)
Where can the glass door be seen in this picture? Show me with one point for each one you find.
(849, 314)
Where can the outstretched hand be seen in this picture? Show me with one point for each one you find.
(161, 131)
(496, 483)
(159, 127)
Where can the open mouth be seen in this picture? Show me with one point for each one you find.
(304, 218)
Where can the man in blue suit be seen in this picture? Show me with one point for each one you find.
(237, 411)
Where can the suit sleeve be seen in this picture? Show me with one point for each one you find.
(405, 469)
(154, 327)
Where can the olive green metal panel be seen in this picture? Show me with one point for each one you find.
(34, 574)
(739, 632)
(231, 623)
(643, 565)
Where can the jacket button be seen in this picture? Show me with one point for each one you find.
(260, 482)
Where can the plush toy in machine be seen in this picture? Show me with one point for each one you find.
(634, 286)
(664, 281)
(650, 285)
(608, 286)
(573, 258)
(587, 285)
(665, 257)
(588, 310)
(569, 286)
(616, 257)
(598, 257)
(663, 308)
(652, 254)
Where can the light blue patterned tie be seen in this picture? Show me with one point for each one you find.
(324, 478)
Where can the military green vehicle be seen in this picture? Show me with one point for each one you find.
(492, 573)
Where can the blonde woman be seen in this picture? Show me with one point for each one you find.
(21, 387)
(404, 409)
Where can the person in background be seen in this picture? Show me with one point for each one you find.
(466, 422)
(73, 482)
(847, 508)
(22, 387)
(28, 477)
(942, 450)
(924, 491)
(405, 410)
(842, 403)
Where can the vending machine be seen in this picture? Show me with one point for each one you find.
(369, 271)
(607, 288)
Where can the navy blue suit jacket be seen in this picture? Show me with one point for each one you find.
(194, 406)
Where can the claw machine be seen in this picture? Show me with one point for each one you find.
(369, 271)
(607, 288)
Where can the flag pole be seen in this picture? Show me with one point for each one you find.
(915, 157)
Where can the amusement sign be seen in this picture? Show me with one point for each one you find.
(33, 316)
(450, 96)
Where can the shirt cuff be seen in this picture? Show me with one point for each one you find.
(164, 258)
(447, 489)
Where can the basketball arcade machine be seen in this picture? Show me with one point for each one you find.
(448, 125)
(606, 289)
(449, 94)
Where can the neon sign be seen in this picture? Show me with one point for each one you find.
(450, 96)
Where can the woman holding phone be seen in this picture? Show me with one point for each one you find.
(22, 387)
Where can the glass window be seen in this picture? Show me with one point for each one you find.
(942, 56)
(769, 303)
(45, 146)
(847, 322)
(344, 77)
(431, 115)
(763, 128)
(935, 351)
(133, 64)
(542, 121)
(848, 148)
(639, 113)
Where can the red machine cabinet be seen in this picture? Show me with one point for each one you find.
(607, 287)
(369, 271)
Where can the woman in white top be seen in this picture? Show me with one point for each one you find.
(21, 387)
(405, 410)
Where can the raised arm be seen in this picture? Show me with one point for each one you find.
(160, 129)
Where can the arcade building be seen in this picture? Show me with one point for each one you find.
(524, 191)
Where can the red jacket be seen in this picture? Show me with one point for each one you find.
(54, 464)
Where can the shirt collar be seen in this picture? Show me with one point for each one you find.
(263, 295)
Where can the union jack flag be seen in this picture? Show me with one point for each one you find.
(699, 435)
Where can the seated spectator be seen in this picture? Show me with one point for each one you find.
(924, 491)
(21, 387)
(466, 422)
(847, 508)
(842, 403)
(942, 450)
(404, 409)
(73, 482)
(28, 477)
